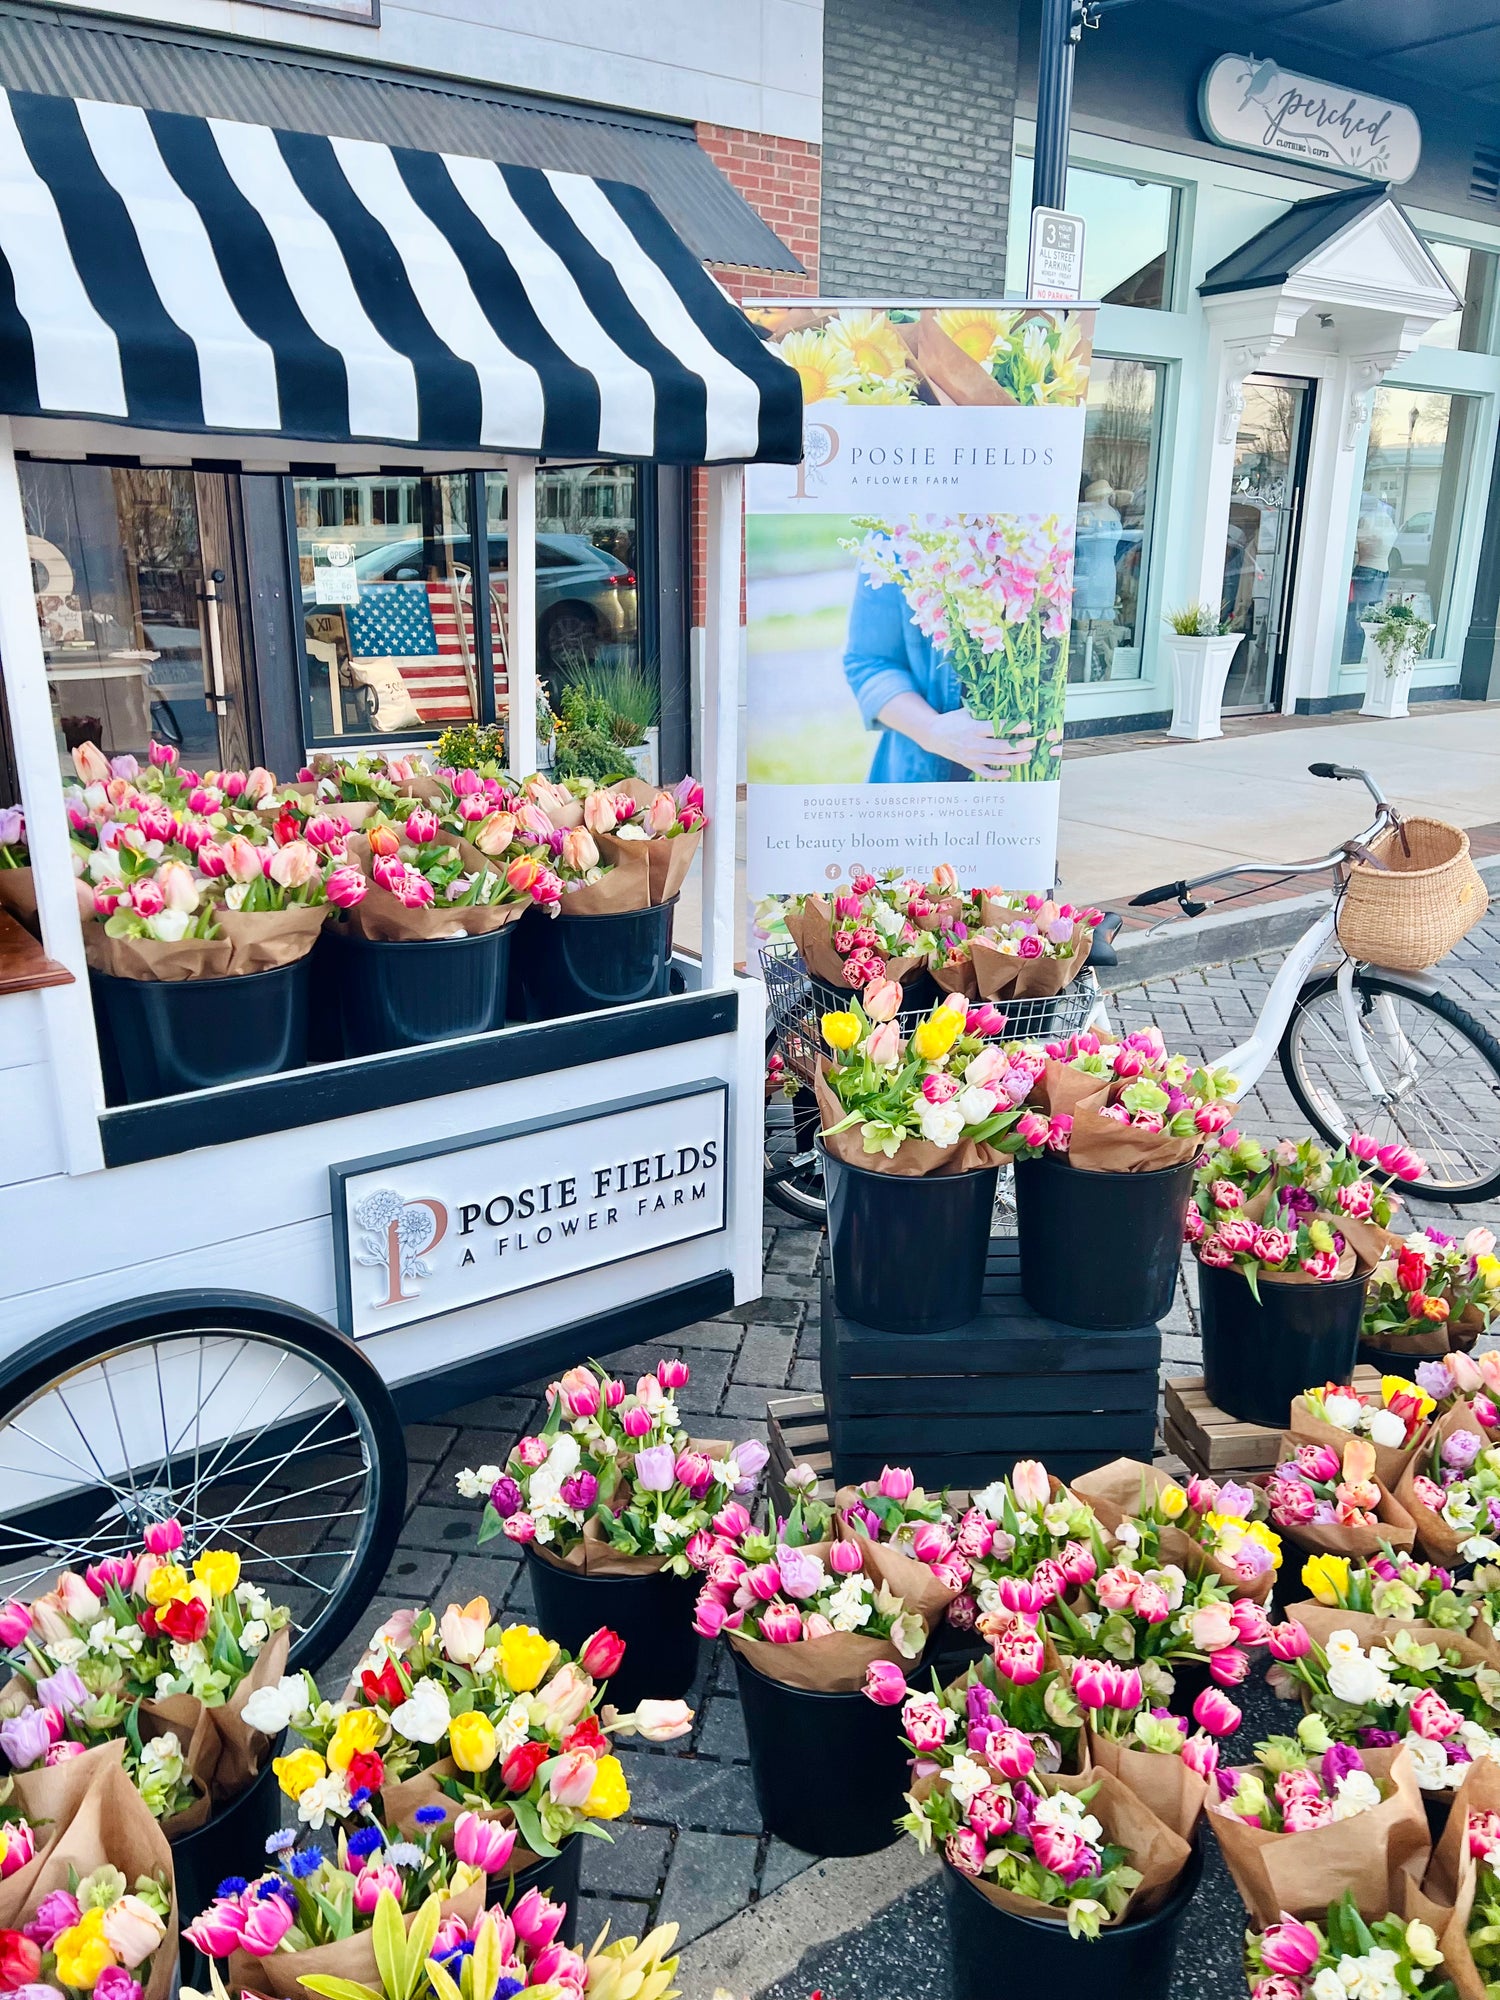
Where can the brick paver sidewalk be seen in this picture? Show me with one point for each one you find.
(693, 1850)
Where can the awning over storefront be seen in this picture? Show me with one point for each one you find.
(194, 276)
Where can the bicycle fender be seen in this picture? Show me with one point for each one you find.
(1415, 982)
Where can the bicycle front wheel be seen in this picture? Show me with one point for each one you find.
(1439, 1065)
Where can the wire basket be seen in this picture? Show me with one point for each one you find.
(796, 1010)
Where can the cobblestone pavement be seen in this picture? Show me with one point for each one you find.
(693, 1850)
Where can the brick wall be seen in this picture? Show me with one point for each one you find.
(918, 105)
(780, 178)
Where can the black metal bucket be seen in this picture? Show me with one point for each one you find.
(652, 1613)
(556, 1877)
(173, 1035)
(1100, 1251)
(830, 1770)
(908, 1250)
(231, 1842)
(990, 1948)
(399, 996)
(1258, 1358)
(581, 965)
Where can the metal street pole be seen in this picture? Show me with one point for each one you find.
(1062, 23)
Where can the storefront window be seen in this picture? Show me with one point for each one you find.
(1129, 238)
(118, 564)
(1472, 275)
(1114, 519)
(386, 569)
(1410, 508)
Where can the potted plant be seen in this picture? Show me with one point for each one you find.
(1202, 649)
(623, 700)
(1395, 639)
(909, 1159)
(616, 1507)
(1104, 1170)
(1284, 1244)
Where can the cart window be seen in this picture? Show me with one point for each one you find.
(118, 569)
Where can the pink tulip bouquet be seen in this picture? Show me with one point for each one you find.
(1028, 1527)
(612, 1470)
(1013, 1721)
(368, 777)
(1320, 1487)
(1154, 1619)
(1435, 1695)
(1225, 1520)
(1124, 1106)
(1300, 1783)
(412, 860)
(807, 1593)
(880, 927)
(1169, 1765)
(1346, 1955)
(1470, 1378)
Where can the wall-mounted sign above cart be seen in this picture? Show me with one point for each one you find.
(1259, 107)
(434, 1228)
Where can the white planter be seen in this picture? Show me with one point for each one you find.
(644, 758)
(1200, 668)
(1385, 693)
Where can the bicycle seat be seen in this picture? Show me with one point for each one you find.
(1102, 950)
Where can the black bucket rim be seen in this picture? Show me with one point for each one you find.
(235, 979)
(565, 915)
(809, 1694)
(350, 940)
(567, 1571)
(875, 1173)
(1060, 1163)
(1330, 1288)
(1183, 1892)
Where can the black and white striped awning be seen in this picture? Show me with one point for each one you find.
(197, 276)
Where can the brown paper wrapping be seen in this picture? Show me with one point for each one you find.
(243, 1750)
(669, 856)
(1163, 1784)
(1322, 1619)
(1003, 976)
(912, 1158)
(1101, 1146)
(919, 1589)
(281, 1973)
(50, 1798)
(835, 1664)
(810, 929)
(1114, 1493)
(1302, 1873)
(18, 895)
(1391, 1460)
(400, 1803)
(112, 1824)
(252, 941)
(384, 918)
(185, 1717)
(1447, 1897)
(1150, 1846)
(1438, 1542)
(1397, 1529)
(625, 886)
(958, 978)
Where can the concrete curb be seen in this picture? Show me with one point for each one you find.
(1190, 945)
(767, 1941)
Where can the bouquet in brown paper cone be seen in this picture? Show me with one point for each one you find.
(1378, 1683)
(1461, 1892)
(856, 938)
(1170, 1767)
(1085, 1851)
(1453, 1490)
(1312, 1818)
(1029, 947)
(1429, 1286)
(819, 1616)
(669, 824)
(1331, 1503)
(99, 1917)
(1394, 1585)
(1010, 1727)
(425, 883)
(938, 1102)
(1204, 1526)
(1124, 1107)
(1393, 1954)
(1394, 1420)
(916, 1530)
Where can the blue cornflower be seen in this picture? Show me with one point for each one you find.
(430, 1815)
(232, 1885)
(457, 1954)
(364, 1841)
(307, 1861)
(505, 1987)
(280, 1841)
(360, 1797)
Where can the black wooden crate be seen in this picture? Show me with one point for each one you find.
(959, 1408)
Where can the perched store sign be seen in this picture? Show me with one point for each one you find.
(1259, 107)
(453, 1224)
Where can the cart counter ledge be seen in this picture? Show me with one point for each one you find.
(320, 1177)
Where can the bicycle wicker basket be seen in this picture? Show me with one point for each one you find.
(1410, 906)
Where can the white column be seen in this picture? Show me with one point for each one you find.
(520, 579)
(73, 1048)
(721, 679)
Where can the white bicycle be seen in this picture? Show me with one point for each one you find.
(1367, 1049)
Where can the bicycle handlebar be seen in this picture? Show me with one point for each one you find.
(1353, 771)
(1167, 893)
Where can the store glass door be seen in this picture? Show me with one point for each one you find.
(1265, 520)
(135, 578)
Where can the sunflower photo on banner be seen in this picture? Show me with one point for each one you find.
(909, 593)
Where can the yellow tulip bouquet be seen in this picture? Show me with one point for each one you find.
(944, 1101)
(460, 1717)
(157, 1648)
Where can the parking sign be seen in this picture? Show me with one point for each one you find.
(1054, 269)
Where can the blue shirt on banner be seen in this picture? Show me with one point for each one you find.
(885, 656)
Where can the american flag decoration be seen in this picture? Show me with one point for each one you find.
(416, 627)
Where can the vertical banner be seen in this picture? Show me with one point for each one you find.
(909, 592)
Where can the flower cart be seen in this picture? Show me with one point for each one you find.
(221, 1300)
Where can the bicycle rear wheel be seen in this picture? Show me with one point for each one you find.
(1442, 1066)
(794, 1180)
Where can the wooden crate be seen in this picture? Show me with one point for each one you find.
(797, 1434)
(1208, 1440)
(960, 1408)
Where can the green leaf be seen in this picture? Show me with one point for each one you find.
(529, 1825)
(419, 1942)
(443, 1984)
(388, 1936)
(339, 1989)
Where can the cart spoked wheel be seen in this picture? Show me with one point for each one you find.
(254, 1424)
